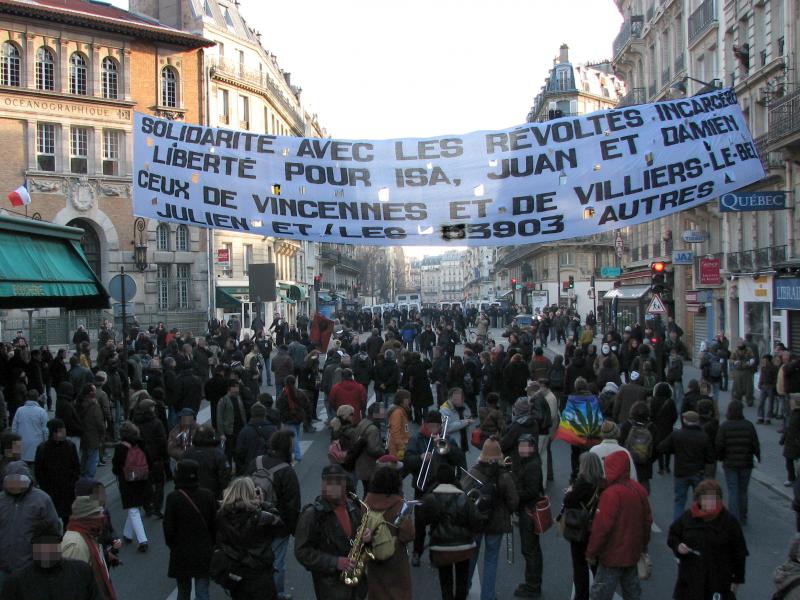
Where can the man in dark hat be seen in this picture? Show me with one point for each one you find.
(322, 538)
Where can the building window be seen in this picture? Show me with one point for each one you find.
(162, 237)
(110, 152)
(45, 70)
(241, 61)
(183, 280)
(78, 149)
(228, 19)
(227, 269)
(567, 259)
(207, 9)
(10, 70)
(110, 79)
(247, 257)
(162, 277)
(244, 112)
(46, 146)
(182, 238)
(77, 74)
(224, 107)
(169, 87)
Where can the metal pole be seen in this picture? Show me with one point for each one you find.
(30, 312)
(124, 322)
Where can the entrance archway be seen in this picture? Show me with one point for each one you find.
(90, 243)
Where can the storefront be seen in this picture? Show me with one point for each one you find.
(753, 308)
(700, 323)
(786, 301)
(625, 305)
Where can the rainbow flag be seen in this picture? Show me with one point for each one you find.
(580, 421)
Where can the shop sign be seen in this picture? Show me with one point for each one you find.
(224, 257)
(786, 293)
(694, 236)
(682, 257)
(752, 201)
(608, 272)
(710, 271)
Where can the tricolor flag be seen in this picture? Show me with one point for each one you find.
(20, 196)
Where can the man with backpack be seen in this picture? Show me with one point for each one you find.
(712, 366)
(674, 374)
(368, 446)
(231, 418)
(545, 396)
(610, 445)
(273, 473)
(253, 439)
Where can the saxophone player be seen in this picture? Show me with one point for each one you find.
(322, 539)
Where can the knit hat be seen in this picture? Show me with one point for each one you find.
(186, 412)
(491, 452)
(522, 407)
(662, 390)
(100, 377)
(391, 461)
(84, 507)
(86, 486)
(333, 472)
(258, 410)
(609, 430)
(145, 405)
(186, 473)
(433, 416)
(610, 387)
(634, 375)
(691, 418)
(343, 412)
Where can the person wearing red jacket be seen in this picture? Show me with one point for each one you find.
(349, 392)
(620, 532)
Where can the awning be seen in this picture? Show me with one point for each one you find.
(627, 292)
(286, 299)
(42, 265)
(504, 294)
(323, 297)
(297, 293)
(227, 301)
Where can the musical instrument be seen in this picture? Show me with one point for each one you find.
(405, 512)
(442, 447)
(359, 554)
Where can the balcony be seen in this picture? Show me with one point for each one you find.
(702, 19)
(651, 11)
(651, 90)
(680, 63)
(264, 84)
(769, 160)
(630, 30)
(666, 75)
(784, 118)
(751, 261)
(339, 259)
(633, 97)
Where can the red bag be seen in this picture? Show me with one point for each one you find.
(336, 454)
(136, 467)
(541, 516)
(475, 438)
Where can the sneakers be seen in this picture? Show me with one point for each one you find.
(788, 483)
(525, 591)
(759, 421)
(142, 547)
(415, 560)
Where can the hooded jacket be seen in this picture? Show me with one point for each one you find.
(387, 372)
(30, 422)
(621, 525)
(349, 392)
(520, 425)
(692, 449)
(453, 516)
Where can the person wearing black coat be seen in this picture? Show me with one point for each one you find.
(134, 494)
(737, 444)
(215, 389)
(66, 411)
(188, 391)
(577, 367)
(522, 423)
(790, 440)
(709, 544)
(254, 437)
(640, 417)
(214, 473)
(154, 437)
(515, 382)
(664, 413)
(57, 468)
(189, 519)
(416, 381)
(529, 483)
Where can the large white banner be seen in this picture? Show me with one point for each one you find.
(538, 182)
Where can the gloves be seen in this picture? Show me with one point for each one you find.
(342, 563)
(271, 519)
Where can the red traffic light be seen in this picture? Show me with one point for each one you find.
(654, 340)
(658, 267)
(513, 282)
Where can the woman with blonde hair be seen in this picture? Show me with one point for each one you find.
(244, 531)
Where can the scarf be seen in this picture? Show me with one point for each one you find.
(344, 519)
(699, 513)
(89, 532)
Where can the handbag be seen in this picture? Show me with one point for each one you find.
(222, 568)
(644, 566)
(336, 454)
(541, 516)
(475, 438)
(577, 521)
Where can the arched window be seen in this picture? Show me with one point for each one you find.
(77, 75)
(90, 243)
(110, 79)
(45, 70)
(182, 238)
(162, 237)
(10, 65)
(169, 87)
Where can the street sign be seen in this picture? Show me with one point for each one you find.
(619, 245)
(115, 288)
(682, 257)
(608, 272)
(656, 306)
(694, 236)
(751, 201)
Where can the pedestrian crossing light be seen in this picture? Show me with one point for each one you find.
(658, 277)
(572, 282)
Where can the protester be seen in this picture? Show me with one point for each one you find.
(399, 419)
(736, 446)
(30, 423)
(133, 480)
(82, 541)
(528, 481)
(57, 468)
(214, 472)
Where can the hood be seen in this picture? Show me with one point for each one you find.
(525, 420)
(382, 502)
(617, 467)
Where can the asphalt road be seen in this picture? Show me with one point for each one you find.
(769, 533)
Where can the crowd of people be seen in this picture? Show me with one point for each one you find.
(236, 500)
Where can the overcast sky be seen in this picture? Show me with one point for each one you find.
(412, 68)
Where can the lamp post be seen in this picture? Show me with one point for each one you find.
(140, 244)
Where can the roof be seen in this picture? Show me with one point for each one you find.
(93, 14)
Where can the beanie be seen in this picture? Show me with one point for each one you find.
(691, 418)
(609, 430)
(522, 407)
(491, 452)
(258, 410)
(84, 507)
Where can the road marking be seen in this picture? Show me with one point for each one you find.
(655, 528)
(475, 588)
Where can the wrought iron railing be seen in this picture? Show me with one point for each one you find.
(784, 117)
(760, 259)
(769, 160)
(627, 32)
(701, 19)
(634, 96)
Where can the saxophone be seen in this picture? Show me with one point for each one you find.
(359, 554)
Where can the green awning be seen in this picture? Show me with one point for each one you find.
(42, 265)
(227, 301)
(286, 299)
(297, 292)
(324, 297)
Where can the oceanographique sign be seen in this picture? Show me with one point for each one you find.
(538, 182)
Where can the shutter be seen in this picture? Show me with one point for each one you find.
(793, 342)
(700, 330)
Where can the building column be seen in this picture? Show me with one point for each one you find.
(96, 90)
(95, 165)
(126, 67)
(31, 135)
(30, 62)
(63, 69)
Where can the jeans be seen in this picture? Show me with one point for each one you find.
(267, 372)
(460, 590)
(279, 546)
(607, 579)
(134, 526)
(738, 480)
(682, 485)
(200, 588)
(715, 389)
(388, 399)
(490, 557)
(297, 428)
(531, 552)
(766, 403)
(677, 391)
(89, 458)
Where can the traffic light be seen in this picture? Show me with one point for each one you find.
(513, 283)
(317, 283)
(658, 277)
(572, 282)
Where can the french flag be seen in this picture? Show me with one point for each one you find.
(20, 196)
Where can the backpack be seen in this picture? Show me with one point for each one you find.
(649, 381)
(557, 378)
(336, 454)
(265, 479)
(382, 545)
(714, 367)
(640, 444)
(540, 410)
(136, 467)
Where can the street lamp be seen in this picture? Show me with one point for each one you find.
(140, 244)
(680, 86)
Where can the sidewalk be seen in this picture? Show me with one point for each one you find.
(771, 471)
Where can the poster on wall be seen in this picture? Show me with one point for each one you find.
(538, 182)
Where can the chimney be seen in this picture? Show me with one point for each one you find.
(563, 54)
